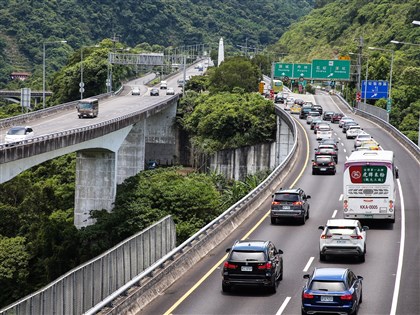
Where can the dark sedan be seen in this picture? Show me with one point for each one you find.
(323, 164)
(327, 149)
(348, 124)
(332, 290)
(327, 115)
(252, 263)
(154, 92)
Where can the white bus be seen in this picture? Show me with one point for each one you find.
(369, 186)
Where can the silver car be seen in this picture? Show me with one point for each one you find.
(18, 134)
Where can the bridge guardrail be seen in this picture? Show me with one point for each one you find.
(169, 268)
(24, 118)
(410, 145)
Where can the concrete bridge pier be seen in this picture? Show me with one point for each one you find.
(161, 136)
(132, 152)
(95, 184)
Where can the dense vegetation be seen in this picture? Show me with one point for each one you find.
(334, 29)
(26, 25)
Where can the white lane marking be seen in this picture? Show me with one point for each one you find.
(334, 214)
(283, 306)
(335, 133)
(401, 254)
(344, 150)
(341, 197)
(308, 264)
(339, 138)
(347, 157)
(342, 144)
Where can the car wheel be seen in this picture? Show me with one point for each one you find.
(361, 297)
(303, 220)
(226, 287)
(307, 214)
(273, 287)
(304, 313)
(281, 274)
(322, 257)
(362, 258)
(273, 220)
(313, 172)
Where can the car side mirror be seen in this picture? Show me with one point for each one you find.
(397, 175)
(306, 276)
(279, 251)
(321, 227)
(365, 228)
(360, 277)
(308, 197)
(228, 250)
(313, 160)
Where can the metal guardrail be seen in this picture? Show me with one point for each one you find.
(83, 287)
(410, 145)
(201, 242)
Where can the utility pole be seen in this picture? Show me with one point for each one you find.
(359, 72)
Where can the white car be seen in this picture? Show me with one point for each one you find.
(363, 136)
(135, 91)
(342, 237)
(163, 85)
(343, 121)
(18, 134)
(353, 131)
(311, 116)
(170, 91)
(323, 132)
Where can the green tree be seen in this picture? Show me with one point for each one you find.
(235, 72)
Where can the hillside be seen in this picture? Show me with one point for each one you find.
(334, 30)
(162, 22)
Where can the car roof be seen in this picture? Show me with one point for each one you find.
(330, 274)
(342, 222)
(289, 191)
(250, 245)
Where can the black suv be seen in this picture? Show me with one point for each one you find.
(304, 112)
(290, 203)
(323, 164)
(253, 263)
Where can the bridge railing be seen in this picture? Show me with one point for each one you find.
(83, 287)
(24, 118)
(410, 145)
(172, 266)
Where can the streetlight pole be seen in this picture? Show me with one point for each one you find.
(389, 101)
(43, 67)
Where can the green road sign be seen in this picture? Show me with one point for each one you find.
(302, 70)
(331, 69)
(283, 70)
(388, 105)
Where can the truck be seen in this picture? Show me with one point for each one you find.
(88, 107)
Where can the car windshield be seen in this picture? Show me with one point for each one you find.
(286, 197)
(16, 131)
(247, 256)
(331, 286)
(341, 230)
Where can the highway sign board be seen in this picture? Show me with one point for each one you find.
(302, 70)
(374, 89)
(283, 70)
(330, 69)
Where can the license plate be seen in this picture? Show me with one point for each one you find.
(326, 298)
(323, 169)
(286, 207)
(368, 215)
(246, 268)
(341, 241)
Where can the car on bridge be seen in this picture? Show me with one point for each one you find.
(18, 135)
(252, 263)
(135, 91)
(332, 290)
(154, 92)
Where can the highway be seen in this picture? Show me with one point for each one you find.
(391, 277)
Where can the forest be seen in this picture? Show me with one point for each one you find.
(38, 241)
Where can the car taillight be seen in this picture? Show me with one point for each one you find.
(346, 297)
(265, 266)
(307, 296)
(297, 203)
(314, 163)
(345, 205)
(331, 163)
(358, 237)
(228, 265)
(276, 203)
(325, 236)
(391, 205)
